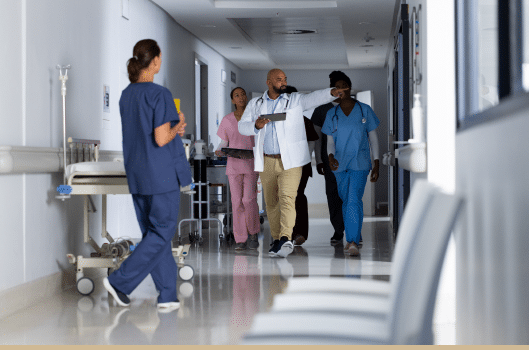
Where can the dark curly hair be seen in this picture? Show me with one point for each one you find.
(336, 76)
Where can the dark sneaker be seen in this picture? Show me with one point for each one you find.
(253, 242)
(274, 247)
(240, 246)
(336, 238)
(119, 297)
(285, 247)
(299, 240)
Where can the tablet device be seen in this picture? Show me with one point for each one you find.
(238, 153)
(276, 117)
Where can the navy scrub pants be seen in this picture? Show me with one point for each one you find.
(157, 215)
(351, 186)
(333, 199)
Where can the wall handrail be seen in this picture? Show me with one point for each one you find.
(24, 159)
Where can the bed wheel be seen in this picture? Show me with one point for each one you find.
(200, 241)
(261, 219)
(85, 286)
(186, 272)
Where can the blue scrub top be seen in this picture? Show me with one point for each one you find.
(350, 134)
(151, 169)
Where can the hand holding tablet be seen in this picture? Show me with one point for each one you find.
(276, 117)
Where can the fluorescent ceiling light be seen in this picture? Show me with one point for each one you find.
(233, 4)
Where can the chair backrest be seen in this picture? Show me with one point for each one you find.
(414, 297)
(421, 195)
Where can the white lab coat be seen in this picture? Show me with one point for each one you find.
(291, 134)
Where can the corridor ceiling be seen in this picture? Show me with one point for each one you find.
(292, 34)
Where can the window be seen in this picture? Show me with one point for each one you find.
(525, 41)
(487, 32)
(492, 57)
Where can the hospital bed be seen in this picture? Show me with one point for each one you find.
(86, 176)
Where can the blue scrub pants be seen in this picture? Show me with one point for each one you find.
(157, 215)
(351, 186)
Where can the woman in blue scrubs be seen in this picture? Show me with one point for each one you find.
(352, 126)
(156, 167)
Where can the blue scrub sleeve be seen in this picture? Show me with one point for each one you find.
(372, 119)
(165, 109)
(327, 128)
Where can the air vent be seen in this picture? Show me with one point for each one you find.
(296, 31)
(366, 45)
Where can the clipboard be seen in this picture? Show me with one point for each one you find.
(276, 117)
(238, 153)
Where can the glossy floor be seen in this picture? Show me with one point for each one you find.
(217, 305)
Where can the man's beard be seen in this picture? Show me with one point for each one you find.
(281, 90)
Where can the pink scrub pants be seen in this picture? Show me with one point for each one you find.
(243, 190)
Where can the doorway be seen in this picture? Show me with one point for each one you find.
(201, 100)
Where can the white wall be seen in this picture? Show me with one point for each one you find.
(437, 89)
(95, 39)
(11, 132)
(492, 239)
(310, 80)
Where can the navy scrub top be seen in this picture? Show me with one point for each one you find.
(350, 134)
(151, 169)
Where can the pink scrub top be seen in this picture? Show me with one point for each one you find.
(229, 131)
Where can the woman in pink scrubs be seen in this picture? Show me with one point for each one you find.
(241, 175)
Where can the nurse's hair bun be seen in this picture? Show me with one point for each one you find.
(144, 52)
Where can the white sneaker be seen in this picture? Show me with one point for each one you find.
(286, 249)
(168, 307)
(119, 297)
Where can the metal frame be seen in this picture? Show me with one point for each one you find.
(199, 220)
(510, 54)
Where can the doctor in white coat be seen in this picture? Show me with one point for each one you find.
(280, 151)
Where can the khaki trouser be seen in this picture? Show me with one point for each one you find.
(280, 188)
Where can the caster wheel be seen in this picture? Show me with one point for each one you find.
(261, 220)
(186, 272)
(224, 221)
(201, 241)
(85, 286)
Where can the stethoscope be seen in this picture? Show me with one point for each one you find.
(262, 101)
(364, 120)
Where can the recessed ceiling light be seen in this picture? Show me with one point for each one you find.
(365, 23)
(368, 38)
(208, 26)
(296, 31)
(265, 4)
(236, 47)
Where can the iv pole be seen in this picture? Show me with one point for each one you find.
(63, 78)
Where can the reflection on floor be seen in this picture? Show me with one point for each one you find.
(217, 305)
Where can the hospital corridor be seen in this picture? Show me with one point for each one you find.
(217, 305)
(264, 172)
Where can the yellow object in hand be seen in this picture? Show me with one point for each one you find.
(177, 104)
